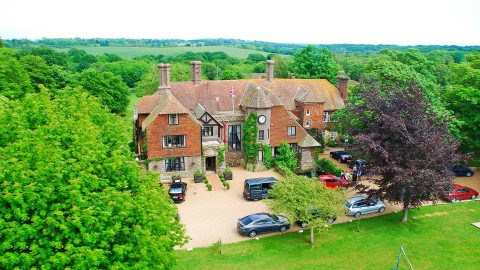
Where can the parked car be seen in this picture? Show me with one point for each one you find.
(333, 181)
(342, 156)
(459, 192)
(317, 213)
(257, 188)
(360, 205)
(177, 191)
(461, 170)
(258, 223)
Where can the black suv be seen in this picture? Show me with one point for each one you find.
(341, 155)
(177, 191)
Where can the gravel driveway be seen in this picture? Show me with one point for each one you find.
(210, 216)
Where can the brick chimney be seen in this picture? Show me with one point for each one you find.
(270, 70)
(196, 72)
(342, 85)
(164, 76)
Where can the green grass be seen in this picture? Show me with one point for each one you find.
(130, 52)
(436, 237)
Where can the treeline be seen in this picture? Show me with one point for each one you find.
(271, 47)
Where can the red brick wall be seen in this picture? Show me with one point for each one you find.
(279, 127)
(315, 117)
(186, 126)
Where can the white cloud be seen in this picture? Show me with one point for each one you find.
(348, 21)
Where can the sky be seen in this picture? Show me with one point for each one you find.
(402, 22)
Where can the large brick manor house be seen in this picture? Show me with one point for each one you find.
(181, 127)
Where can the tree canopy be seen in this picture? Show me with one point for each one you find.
(286, 157)
(72, 196)
(312, 62)
(406, 142)
(306, 200)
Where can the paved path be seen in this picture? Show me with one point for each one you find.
(215, 181)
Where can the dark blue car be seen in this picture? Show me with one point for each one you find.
(258, 223)
(460, 170)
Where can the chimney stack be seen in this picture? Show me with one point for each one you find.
(342, 85)
(270, 69)
(196, 72)
(164, 76)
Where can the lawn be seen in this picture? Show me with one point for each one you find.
(130, 52)
(436, 237)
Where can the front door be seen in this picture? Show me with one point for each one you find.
(210, 163)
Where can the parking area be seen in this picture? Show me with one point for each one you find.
(211, 216)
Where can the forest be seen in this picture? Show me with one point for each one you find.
(61, 121)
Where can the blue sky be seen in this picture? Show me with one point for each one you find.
(405, 22)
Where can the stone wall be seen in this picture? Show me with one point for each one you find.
(306, 159)
(191, 164)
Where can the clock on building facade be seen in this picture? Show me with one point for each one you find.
(262, 119)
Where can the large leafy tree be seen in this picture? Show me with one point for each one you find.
(72, 196)
(305, 199)
(409, 145)
(108, 87)
(312, 62)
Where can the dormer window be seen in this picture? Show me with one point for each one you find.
(326, 117)
(307, 113)
(173, 119)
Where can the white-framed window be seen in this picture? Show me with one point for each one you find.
(173, 119)
(261, 135)
(307, 123)
(174, 141)
(292, 131)
(268, 133)
(260, 155)
(333, 135)
(307, 112)
(326, 117)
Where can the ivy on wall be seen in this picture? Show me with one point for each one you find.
(250, 145)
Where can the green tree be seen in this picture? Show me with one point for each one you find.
(250, 145)
(281, 66)
(72, 196)
(39, 71)
(14, 79)
(312, 62)
(286, 157)
(304, 199)
(131, 71)
(108, 87)
(80, 60)
(255, 57)
(51, 56)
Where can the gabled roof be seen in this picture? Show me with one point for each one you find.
(254, 97)
(147, 103)
(167, 104)
(306, 95)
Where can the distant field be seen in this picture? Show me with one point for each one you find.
(130, 52)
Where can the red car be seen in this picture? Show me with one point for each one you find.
(333, 181)
(460, 192)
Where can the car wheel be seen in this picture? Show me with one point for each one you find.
(473, 197)
(454, 200)
(381, 209)
(252, 234)
(303, 224)
(469, 174)
(340, 160)
(357, 214)
(283, 229)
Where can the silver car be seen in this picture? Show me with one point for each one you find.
(359, 205)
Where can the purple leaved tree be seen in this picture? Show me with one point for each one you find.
(409, 147)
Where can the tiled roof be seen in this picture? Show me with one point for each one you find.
(167, 104)
(198, 110)
(254, 97)
(215, 95)
(147, 103)
(308, 141)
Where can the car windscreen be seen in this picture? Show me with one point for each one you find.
(246, 220)
(348, 204)
(175, 190)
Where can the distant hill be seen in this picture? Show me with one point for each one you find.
(204, 45)
(130, 52)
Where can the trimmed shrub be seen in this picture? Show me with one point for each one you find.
(326, 166)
